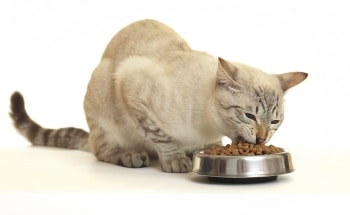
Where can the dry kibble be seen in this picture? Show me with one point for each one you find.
(246, 149)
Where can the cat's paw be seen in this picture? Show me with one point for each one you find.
(177, 165)
(135, 159)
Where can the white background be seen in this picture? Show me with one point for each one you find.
(49, 48)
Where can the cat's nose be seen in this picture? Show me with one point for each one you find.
(260, 140)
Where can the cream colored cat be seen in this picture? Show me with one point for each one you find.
(152, 96)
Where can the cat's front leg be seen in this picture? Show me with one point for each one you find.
(171, 155)
(173, 159)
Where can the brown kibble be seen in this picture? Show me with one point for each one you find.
(245, 149)
(259, 150)
(235, 152)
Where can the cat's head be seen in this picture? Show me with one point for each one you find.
(249, 102)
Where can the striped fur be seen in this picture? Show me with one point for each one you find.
(70, 138)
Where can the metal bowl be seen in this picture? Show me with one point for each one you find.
(257, 168)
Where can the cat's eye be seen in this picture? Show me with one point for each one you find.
(275, 121)
(250, 116)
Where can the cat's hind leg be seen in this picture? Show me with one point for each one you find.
(111, 138)
(113, 152)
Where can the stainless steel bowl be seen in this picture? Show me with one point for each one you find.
(265, 167)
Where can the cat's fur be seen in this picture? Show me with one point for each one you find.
(153, 96)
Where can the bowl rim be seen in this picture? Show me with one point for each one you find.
(201, 152)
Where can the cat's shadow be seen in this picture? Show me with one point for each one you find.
(199, 179)
(155, 168)
(226, 181)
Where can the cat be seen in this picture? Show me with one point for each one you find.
(153, 97)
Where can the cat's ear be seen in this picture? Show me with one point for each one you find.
(227, 74)
(290, 79)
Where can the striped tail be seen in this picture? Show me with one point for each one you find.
(70, 138)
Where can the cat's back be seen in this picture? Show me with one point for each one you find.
(144, 38)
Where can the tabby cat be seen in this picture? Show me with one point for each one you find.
(153, 97)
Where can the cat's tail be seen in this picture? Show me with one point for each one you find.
(70, 138)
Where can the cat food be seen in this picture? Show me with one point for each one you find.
(243, 149)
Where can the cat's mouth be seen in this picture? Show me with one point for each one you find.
(241, 139)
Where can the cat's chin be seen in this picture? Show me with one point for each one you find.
(240, 139)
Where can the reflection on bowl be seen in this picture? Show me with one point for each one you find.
(242, 169)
